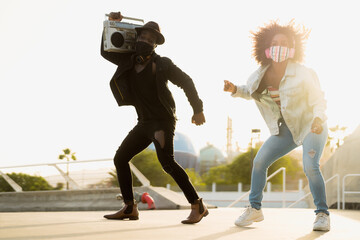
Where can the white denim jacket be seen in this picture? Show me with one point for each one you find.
(300, 95)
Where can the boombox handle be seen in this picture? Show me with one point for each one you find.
(129, 18)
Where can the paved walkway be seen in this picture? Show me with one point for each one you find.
(165, 224)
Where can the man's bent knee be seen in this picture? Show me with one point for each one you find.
(167, 168)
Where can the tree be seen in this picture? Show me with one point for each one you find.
(218, 174)
(27, 183)
(240, 170)
(67, 155)
(195, 177)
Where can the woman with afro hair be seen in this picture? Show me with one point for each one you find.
(292, 104)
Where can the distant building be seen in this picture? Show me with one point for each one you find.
(184, 151)
(210, 156)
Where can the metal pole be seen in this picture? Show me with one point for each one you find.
(338, 191)
(11, 182)
(343, 187)
(68, 179)
(343, 190)
(284, 182)
(67, 173)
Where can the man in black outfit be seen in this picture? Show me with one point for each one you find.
(141, 80)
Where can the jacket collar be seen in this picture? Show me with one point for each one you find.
(255, 81)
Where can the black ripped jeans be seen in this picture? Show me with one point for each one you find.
(161, 133)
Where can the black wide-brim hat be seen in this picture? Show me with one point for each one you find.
(153, 27)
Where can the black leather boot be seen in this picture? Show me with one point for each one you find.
(198, 211)
(129, 211)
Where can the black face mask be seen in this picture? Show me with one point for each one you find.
(143, 51)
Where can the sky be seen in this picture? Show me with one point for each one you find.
(54, 85)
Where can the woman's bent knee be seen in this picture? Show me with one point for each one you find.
(259, 165)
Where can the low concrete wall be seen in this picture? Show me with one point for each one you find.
(85, 200)
(270, 199)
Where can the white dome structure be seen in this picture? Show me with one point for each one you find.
(210, 156)
(184, 151)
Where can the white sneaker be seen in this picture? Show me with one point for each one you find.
(322, 222)
(249, 216)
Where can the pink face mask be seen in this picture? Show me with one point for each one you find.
(279, 53)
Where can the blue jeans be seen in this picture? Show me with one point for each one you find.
(279, 145)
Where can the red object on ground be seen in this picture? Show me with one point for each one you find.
(146, 198)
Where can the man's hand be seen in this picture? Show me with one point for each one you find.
(115, 16)
(229, 87)
(316, 126)
(198, 118)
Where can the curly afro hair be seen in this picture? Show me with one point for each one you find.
(262, 40)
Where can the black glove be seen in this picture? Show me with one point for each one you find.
(115, 16)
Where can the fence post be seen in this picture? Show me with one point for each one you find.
(284, 187)
(268, 187)
(213, 187)
(300, 184)
(239, 187)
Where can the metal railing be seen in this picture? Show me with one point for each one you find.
(144, 181)
(11, 182)
(338, 192)
(267, 179)
(347, 192)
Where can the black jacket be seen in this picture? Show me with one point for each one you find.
(165, 70)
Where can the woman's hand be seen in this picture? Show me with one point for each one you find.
(316, 126)
(229, 87)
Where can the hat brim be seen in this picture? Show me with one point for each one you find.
(159, 37)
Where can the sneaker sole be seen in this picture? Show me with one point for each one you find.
(244, 224)
(321, 229)
(123, 218)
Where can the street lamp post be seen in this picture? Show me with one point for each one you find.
(67, 155)
(255, 135)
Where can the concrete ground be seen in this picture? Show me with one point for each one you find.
(165, 224)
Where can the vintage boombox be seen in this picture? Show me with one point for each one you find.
(120, 36)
